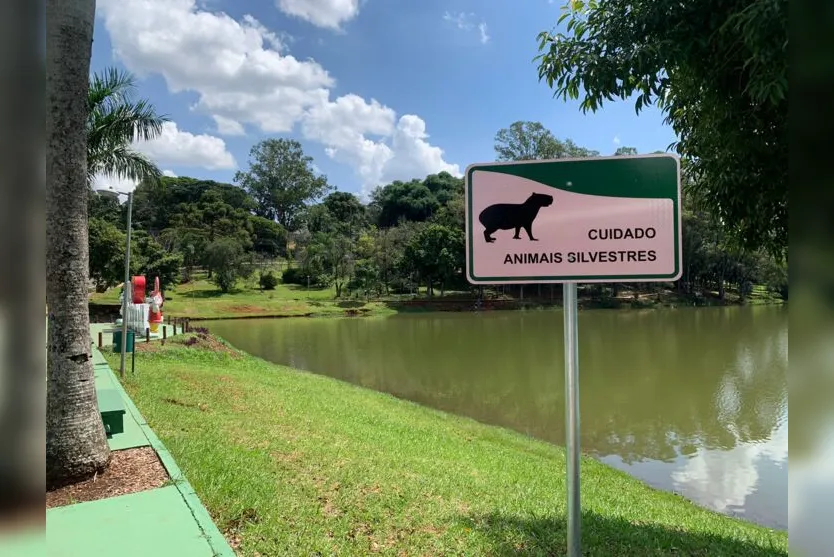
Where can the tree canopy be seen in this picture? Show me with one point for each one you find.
(526, 141)
(281, 179)
(718, 71)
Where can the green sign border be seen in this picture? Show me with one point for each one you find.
(590, 176)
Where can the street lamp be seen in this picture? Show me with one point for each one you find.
(113, 194)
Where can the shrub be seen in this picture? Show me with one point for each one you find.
(268, 280)
(293, 275)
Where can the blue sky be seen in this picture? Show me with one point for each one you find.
(342, 77)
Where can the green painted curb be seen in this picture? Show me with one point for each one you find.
(215, 539)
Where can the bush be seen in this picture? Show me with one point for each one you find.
(268, 280)
(293, 275)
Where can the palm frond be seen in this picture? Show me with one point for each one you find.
(111, 86)
(115, 122)
(121, 161)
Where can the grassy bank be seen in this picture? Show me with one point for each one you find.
(201, 299)
(290, 463)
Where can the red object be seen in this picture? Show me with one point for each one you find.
(138, 290)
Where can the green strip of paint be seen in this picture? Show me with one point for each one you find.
(215, 539)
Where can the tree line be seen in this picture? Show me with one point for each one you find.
(408, 237)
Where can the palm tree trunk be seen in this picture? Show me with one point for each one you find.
(76, 445)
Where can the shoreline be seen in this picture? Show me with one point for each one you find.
(380, 308)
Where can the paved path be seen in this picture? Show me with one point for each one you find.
(167, 521)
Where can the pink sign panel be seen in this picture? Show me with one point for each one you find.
(521, 230)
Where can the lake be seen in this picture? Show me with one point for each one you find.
(689, 400)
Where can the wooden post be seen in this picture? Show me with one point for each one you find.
(164, 333)
(147, 334)
(174, 322)
(100, 341)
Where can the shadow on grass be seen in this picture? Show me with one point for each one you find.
(350, 304)
(301, 289)
(206, 294)
(609, 537)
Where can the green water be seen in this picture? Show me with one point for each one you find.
(689, 400)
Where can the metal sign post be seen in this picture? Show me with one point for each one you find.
(570, 308)
(600, 219)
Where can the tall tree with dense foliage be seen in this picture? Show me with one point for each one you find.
(718, 70)
(76, 444)
(416, 201)
(282, 180)
(107, 253)
(528, 141)
(116, 119)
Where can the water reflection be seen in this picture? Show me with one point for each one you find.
(691, 400)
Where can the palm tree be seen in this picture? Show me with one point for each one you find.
(76, 444)
(115, 121)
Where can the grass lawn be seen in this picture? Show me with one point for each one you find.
(201, 298)
(290, 463)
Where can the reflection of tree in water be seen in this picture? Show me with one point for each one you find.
(653, 384)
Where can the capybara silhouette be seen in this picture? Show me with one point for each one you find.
(504, 216)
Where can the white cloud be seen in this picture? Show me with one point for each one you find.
(343, 126)
(242, 75)
(169, 173)
(482, 29)
(464, 22)
(227, 126)
(414, 156)
(723, 480)
(321, 13)
(180, 148)
(616, 140)
(233, 66)
(110, 182)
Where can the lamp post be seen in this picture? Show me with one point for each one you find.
(127, 289)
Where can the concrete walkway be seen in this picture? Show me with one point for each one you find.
(169, 520)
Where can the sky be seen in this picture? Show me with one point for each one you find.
(375, 90)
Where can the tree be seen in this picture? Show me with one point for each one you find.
(76, 444)
(282, 180)
(269, 238)
(155, 203)
(152, 260)
(107, 253)
(115, 121)
(335, 252)
(527, 141)
(435, 254)
(416, 201)
(346, 209)
(197, 224)
(397, 201)
(717, 70)
(229, 261)
(625, 151)
(106, 208)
